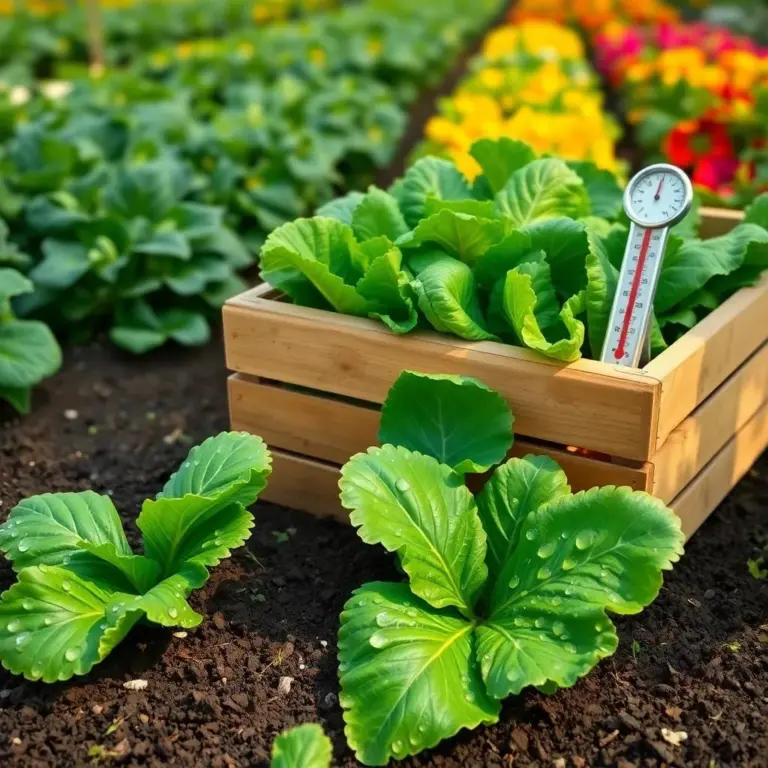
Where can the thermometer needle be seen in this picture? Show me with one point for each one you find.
(621, 346)
(658, 189)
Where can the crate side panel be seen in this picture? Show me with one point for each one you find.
(701, 496)
(587, 404)
(699, 437)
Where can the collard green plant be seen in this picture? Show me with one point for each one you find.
(527, 254)
(305, 746)
(80, 586)
(506, 589)
(29, 352)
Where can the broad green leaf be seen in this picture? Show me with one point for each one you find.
(429, 177)
(461, 235)
(514, 249)
(53, 528)
(408, 675)
(13, 283)
(564, 241)
(606, 197)
(185, 327)
(191, 278)
(197, 222)
(412, 504)
(19, 397)
(305, 746)
(757, 211)
(378, 215)
(199, 517)
(481, 209)
(456, 420)
(54, 624)
(166, 603)
(577, 557)
(141, 572)
(516, 489)
(521, 308)
(689, 265)
(64, 263)
(342, 208)
(146, 191)
(499, 159)
(447, 295)
(45, 217)
(28, 353)
(169, 244)
(543, 189)
(136, 340)
(386, 288)
(602, 278)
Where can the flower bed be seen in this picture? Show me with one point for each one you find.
(531, 83)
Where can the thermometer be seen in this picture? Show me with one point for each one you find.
(656, 198)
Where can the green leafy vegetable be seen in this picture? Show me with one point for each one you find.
(305, 746)
(80, 586)
(29, 352)
(505, 590)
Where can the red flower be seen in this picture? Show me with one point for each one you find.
(693, 140)
(716, 173)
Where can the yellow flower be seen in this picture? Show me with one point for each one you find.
(374, 47)
(492, 78)
(318, 57)
(185, 50)
(375, 134)
(246, 49)
(252, 183)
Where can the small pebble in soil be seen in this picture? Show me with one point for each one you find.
(302, 666)
(97, 709)
(675, 738)
(324, 643)
(180, 635)
(16, 741)
(284, 686)
(135, 685)
(559, 762)
(71, 414)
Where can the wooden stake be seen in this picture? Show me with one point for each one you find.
(95, 21)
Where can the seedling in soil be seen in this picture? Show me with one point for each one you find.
(506, 589)
(636, 648)
(305, 746)
(81, 588)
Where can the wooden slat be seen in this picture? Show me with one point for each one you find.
(586, 404)
(306, 485)
(693, 367)
(718, 221)
(699, 437)
(332, 431)
(713, 483)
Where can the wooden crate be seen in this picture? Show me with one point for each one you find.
(685, 428)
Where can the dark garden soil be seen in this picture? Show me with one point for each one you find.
(121, 425)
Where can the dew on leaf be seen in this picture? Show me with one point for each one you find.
(414, 741)
(412, 612)
(36, 671)
(23, 545)
(570, 647)
(519, 622)
(27, 605)
(469, 696)
(402, 485)
(544, 573)
(542, 636)
(173, 613)
(377, 601)
(514, 582)
(66, 586)
(530, 534)
(21, 639)
(47, 621)
(422, 728)
(103, 626)
(14, 626)
(585, 539)
(568, 564)
(546, 550)
(217, 542)
(379, 640)
(539, 623)
(555, 601)
(72, 654)
(397, 746)
(569, 591)
(558, 628)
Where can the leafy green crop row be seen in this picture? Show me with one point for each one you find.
(528, 254)
(133, 201)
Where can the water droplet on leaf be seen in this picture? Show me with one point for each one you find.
(27, 605)
(397, 746)
(570, 647)
(514, 582)
(23, 545)
(544, 573)
(14, 626)
(558, 628)
(469, 696)
(379, 640)
(585, 539)
(21, 639)
(402, 485)
(530, 534)
(568, 564)
(173, 613)
(66, 586)
(539, 623)
(546, 550)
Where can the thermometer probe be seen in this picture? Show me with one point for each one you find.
(656, 199)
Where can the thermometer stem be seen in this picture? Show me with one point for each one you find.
(621, 346)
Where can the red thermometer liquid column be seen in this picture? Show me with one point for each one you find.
(656, 199)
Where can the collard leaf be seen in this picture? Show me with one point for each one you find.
(564, 241)
(688, 266)
(454, 419)
(499, 159)
(412, 504)
(428, 177)
(463, 236)
(169, 244)
(197, 222)
(53, 527)
(141, 572)
(602, 278)
(515, 490)
(514, 249)
(166, 603)
(447, 295)
(757, 211)
(64, 263)
(603, 549)
(342, 208)
(545, 188)
(605, 195)
(305, 746)
(408, 675)
(378, 215)
(54, 624)
(481, 209)
(13, 283)
(146, 191)
(199, 516)
(522, 310)
(28, 353)
(19, 397)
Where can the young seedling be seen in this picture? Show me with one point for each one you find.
(305, 746)
(81, 588)
(506, 589)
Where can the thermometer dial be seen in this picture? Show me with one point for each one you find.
(655, 199)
